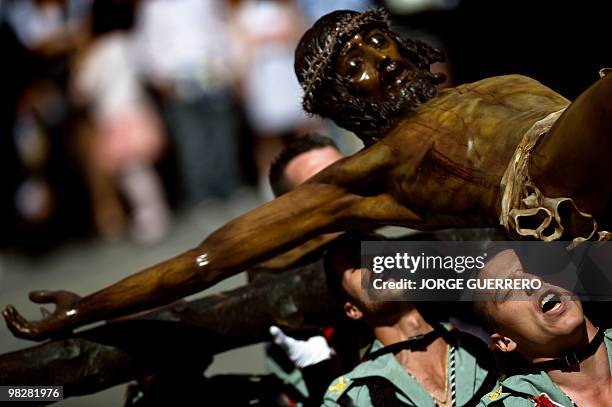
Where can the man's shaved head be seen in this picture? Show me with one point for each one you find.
(301, 158)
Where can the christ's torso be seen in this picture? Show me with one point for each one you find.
(453, 150)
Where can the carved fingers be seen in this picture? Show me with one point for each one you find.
(17, 324)
(52, 322)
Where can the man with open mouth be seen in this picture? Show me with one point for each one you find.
(561, 358)
(415, 359)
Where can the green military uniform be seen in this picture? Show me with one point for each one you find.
(473, 368)
(519, 390)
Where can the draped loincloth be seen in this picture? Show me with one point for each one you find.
(527, 212)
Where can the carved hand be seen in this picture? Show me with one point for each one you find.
(64, 317)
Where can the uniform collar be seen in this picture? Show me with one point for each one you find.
(537, 383)
(468, 379)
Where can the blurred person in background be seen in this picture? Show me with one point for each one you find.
(265, 34)
(48, 27)
(183, 52)
(124, 137)
(43, 191)
(38, 109)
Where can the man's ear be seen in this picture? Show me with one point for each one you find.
(503, 343)
(352, 311)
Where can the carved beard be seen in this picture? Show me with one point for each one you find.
(368, 120)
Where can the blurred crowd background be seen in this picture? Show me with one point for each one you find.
(118, 116)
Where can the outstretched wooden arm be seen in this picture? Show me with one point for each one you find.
(324, 204)
(180, 337)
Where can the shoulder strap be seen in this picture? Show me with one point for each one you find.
(414, 342)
